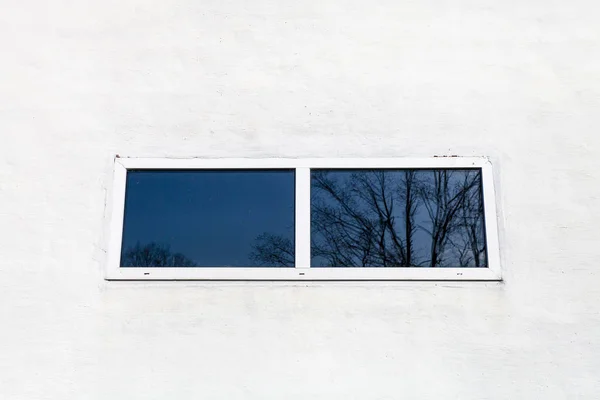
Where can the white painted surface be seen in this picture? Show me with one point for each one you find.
(516, 81)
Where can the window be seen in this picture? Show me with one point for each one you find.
(304, 219)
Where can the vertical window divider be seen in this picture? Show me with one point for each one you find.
(302, 218)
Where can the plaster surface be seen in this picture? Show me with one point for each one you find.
(82, 81)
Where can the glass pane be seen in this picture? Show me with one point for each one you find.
(397, 218)
(209, 218)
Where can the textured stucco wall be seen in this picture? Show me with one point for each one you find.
(518, 81)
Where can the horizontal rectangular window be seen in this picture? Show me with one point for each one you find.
(312, 219)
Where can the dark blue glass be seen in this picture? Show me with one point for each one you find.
(209, 218)
(397, 218)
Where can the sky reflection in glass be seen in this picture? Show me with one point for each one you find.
(397, 218)
(208, 218)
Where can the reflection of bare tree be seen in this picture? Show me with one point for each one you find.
(445, 199)
(154, 255)
(390, 218)
(471, 223)
(411, 204)
(273, 250)
(356, 223)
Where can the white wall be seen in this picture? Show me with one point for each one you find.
(518, 81)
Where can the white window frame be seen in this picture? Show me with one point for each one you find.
(302, 270)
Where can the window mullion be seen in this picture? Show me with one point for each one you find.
(302, 217)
